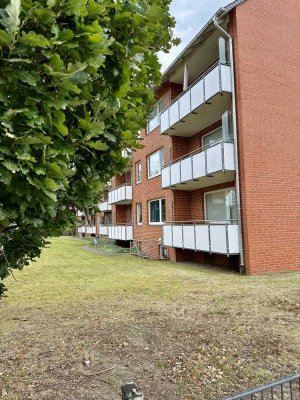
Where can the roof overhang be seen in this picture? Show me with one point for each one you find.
(201, 37)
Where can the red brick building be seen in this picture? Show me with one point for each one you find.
(215, 181)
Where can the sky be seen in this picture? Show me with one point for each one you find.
(191, 16)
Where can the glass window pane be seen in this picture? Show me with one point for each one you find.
(213, 137)
(216, 206)
(231, 204)
(155, 163)
(154, 211)
(161, 158)
(139, 213)
(138, 172)
(163, 210)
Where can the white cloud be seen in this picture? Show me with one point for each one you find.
(191, 16)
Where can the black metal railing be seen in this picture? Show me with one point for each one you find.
(284, 389)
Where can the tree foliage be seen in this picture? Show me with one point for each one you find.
(76, 79)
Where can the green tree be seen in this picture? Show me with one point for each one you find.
(76, 80)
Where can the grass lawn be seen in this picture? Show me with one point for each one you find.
(180, 331)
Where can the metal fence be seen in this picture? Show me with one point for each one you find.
(284, 389)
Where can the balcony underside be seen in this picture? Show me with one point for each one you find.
(122, 202)
(203, 116)
(215, 179)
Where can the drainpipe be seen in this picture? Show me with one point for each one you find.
(234, 118)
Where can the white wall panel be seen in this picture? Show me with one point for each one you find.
(185, 104)
(186, 169)
(189, 237)
(212, 83)
(197, 95)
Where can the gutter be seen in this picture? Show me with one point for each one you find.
(235, 135)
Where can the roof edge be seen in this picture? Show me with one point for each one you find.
(222, 12)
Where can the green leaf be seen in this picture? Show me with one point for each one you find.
(10, 16)
(98, 145)
(31, 78)
(33, 39)
(19, 60)
(50, 184)
(51, 3)
(11, 165)
(76, 7)
(5, 38)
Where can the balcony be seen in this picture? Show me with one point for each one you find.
(212, 237)
(87, 230)
(103, 230)
(120, 232)
(105, 206)
(200, 105)
(153, 123)
(210, 165)
(120, 195)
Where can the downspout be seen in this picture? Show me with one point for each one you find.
(235, 136)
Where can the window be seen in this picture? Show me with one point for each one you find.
(138, 172)
(212, 137)
(155, 163)
(157, 212)
(139, 214)
(156, 110)
(220, 205)
(154, 117)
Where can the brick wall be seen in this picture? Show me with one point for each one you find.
(150, 189)
(267, 58)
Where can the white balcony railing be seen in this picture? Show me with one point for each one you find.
(153, 123)
(103, 230)
(91, 230)
(120, 232)
(120, 195)
(105, 206)
(88, 230)
(216, 80)
(207, 161)
(212, 237)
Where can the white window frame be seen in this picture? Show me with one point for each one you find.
(209, 133)
(137, 213)
(160, 211)
(148, 162)
(226, 190)
(158, 109)
(137, 173)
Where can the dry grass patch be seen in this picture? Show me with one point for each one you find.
(180, 331)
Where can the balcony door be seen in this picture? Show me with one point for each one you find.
(220, 205)
(212, 137)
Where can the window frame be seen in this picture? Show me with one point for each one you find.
(226, 190)
(139, 205)
(137, 175)
(210, 133)
(161, 166)
(160, 211)
(158, 107)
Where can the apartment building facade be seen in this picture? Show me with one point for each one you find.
(215, 181)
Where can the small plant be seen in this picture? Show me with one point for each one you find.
(108, 246)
